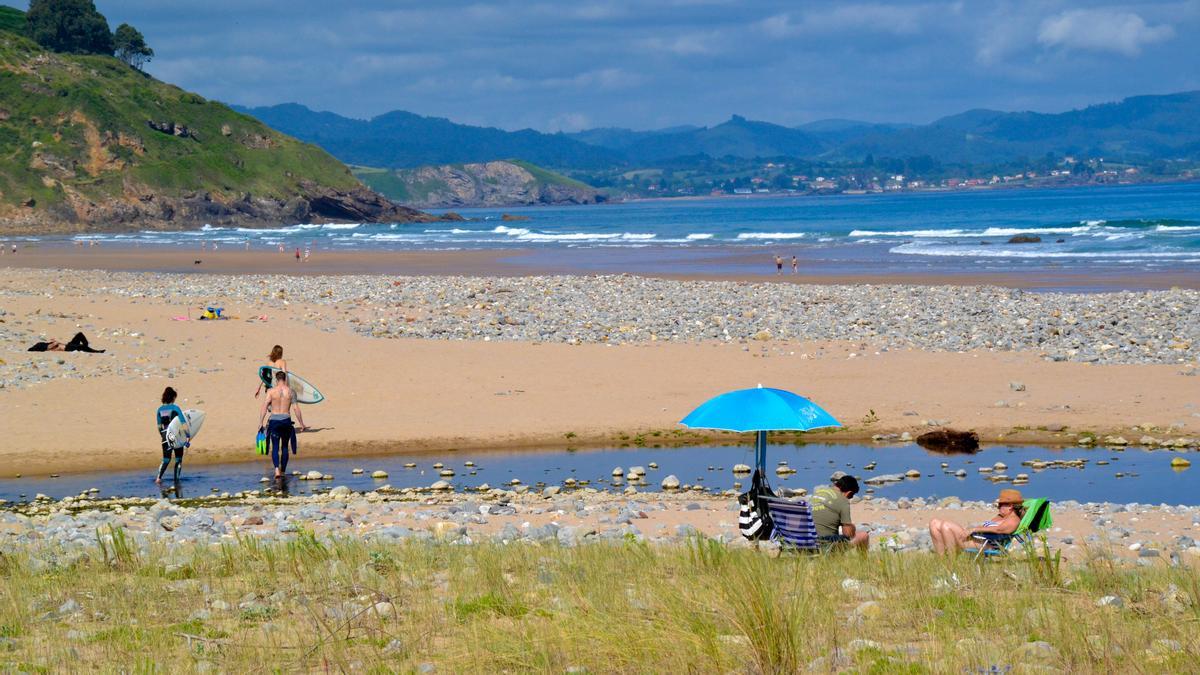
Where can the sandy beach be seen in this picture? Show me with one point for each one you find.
(532, 385)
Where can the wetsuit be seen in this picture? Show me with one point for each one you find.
(163, 417)
(79, 343)
(282, 433)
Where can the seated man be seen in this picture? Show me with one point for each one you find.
(831, 513)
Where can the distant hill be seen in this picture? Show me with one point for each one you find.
(738, 137)
(404, 140)
(1141, 127)
(86, 142)
(500, 183)
(1137, 128)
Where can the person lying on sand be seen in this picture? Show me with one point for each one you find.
(949, 537)
(79, 343)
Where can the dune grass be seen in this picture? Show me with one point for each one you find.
(311, 605)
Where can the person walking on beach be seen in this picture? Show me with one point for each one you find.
(276, 417)
(795, 265)
(297, 254)
(778, 265)
(163, 417)
(275, 360)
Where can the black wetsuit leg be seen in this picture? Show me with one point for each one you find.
(79, 343)
(166, 454)
(282, 433)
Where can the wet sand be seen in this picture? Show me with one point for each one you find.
(659, 263)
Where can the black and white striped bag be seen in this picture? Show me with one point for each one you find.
(753, 520)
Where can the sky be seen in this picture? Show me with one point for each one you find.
(565, 65)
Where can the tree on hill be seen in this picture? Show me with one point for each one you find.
(131, 47)
(71, 26)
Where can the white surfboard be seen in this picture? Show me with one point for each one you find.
(303, 389)
(175, 435)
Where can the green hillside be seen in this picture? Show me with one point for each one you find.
(87, 141)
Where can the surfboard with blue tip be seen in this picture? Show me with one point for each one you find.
(304, 390)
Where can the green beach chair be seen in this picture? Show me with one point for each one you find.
(1037, 518)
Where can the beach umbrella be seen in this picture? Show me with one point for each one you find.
(760, 410)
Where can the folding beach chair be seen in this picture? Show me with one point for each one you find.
(1037, 518)
(793, 521)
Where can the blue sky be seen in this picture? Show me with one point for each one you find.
(584, 63)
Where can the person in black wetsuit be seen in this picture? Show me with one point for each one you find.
(276, 418)
(167, 412)
(79, 343)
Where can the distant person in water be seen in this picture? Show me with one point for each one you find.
(163, 417)
(297, 254)
(795, 265)
(275, 360)
(276, 418)
(79, 343)
(778, 265)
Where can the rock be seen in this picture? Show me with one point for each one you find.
(69, 607)
(1037, 651)
(440, 485)
(385, 610)
(551, 490)
(1180, 463)
(950, 441)
(912, 473)
(380, 473)
(1016, 386)
(868, 610)
(356, 472)
(1110, 601)
(618, 472)
(1025, 239)
(340, 491)
(741, 468)
(671, 482)
(313, 475)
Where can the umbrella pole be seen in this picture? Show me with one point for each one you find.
(760, 452)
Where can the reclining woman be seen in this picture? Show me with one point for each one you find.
(950, 537)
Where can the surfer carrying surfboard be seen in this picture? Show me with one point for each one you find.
(275, 360)
(167, 412)
(276, 416)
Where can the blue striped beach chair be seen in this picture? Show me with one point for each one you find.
(793, 521)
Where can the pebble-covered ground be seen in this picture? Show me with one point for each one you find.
(1160, 327)
(569, 517)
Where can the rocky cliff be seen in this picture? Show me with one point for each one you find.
(497, 184)
(88, 143)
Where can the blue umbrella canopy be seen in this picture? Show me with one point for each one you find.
(760, 409)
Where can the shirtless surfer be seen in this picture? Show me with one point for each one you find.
(278, 406)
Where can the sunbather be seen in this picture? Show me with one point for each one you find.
(950, 537)
(79, 343)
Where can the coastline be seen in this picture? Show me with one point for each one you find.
(517, 262)
(409, 365)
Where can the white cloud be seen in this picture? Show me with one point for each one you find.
(877, 18)
(687, 44)
(572, 121)
(1101, 30)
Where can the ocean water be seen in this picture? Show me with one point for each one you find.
(1132, 228)
(1146, 476)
